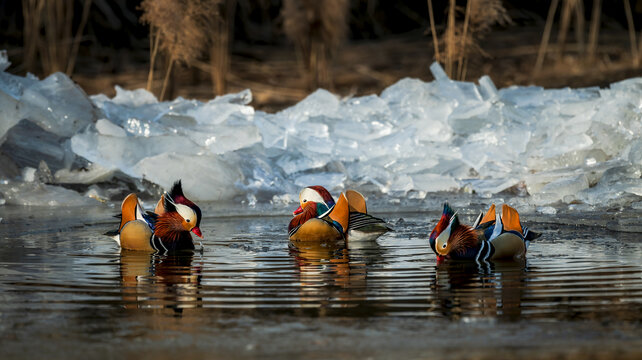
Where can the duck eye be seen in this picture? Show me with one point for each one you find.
(187, 220)
(305, 200)
(443, 246)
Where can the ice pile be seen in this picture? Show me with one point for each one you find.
(579, 146)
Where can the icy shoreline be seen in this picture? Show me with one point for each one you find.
(549, 147)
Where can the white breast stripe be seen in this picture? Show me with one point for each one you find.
(480, 250)
(478, 220)
(326, 213)
(160, 241)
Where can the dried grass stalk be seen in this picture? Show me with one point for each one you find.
(631, 26)
(594, 30)
(32, 13)
(433, 30)
(317, 28)
(545, 38)
(49, 36)
(221, 23)
(178, 29)
(461, 40)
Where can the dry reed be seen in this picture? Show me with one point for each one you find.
(49, 36)
(594, 30)
(317, 28)
(221, 23)
(587, 53)
(178, 28)
(461, 39)
(631, 26)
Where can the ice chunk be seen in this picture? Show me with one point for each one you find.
(547, 210)
(470, 118)
(241, 98)
(434, 182)
(205, 177)
(331, 181)
(274, 135)
(4, 60)
(26, 144)
(438, 72)
(28, 174)
(38, 194)
(635, 152)
(94, 173)
(488, 88)
(565, 145)
(490, 186)
(222, 108)
(221, 139)
(57, 105)
(293, 163)
(8, 169)
(564, 189)
(9, 112)
(115, 152)
(106, 127)
(133, 98)
(319, 103)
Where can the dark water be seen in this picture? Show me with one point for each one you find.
(64, 288)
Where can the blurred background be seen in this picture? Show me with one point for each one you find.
(282, 50)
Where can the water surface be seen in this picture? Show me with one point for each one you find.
(65, 288)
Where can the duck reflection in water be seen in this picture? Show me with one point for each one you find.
(480, 289)
(327, 271)
(156, 281)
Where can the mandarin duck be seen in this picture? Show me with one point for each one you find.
(319, 218)
(493, 236)
(167, 229)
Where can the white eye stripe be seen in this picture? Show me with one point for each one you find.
(310, 195)
(186, 212)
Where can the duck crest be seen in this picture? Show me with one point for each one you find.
(176, 196)
(324, 194)
(446, 217)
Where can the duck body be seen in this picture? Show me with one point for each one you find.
(493, 236)
(167, 229)
(320, 218)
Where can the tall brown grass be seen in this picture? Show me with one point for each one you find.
(587, 53)
(460, 40)
(317, 28)
(221, 25)
(177, 30)
(49, 35)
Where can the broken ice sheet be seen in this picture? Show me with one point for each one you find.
(330, 181)
(563, 189)
(206, 176)
(490, 186)
(294, 163)
(94, 173)
(434, 182)
(26, 144)
(217, 111)
(123, 153)
(57, 105)
(220, 139)
(38, 194)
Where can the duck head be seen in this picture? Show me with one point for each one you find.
(316, 196)
(180, 215)
(450, 236)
